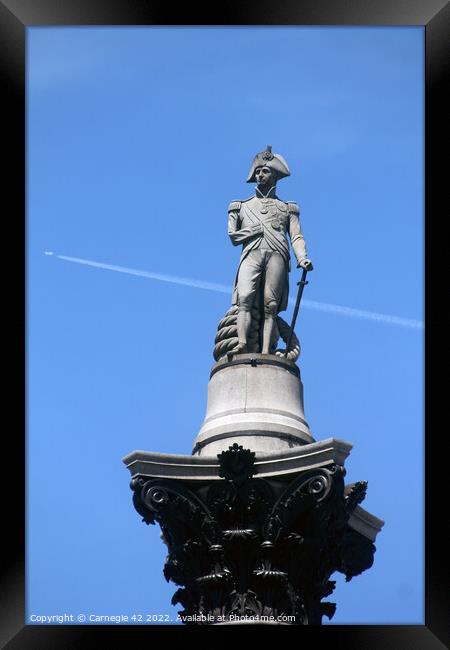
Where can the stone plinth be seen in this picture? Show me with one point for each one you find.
(258, 518)
(255, 400)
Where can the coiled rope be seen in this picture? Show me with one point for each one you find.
(226, 337)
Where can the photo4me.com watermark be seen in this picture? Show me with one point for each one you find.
(148, 619)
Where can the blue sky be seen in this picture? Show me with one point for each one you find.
(138, 138)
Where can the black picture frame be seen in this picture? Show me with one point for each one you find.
(15, 17)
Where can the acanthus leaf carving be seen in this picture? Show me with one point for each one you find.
(252, 547)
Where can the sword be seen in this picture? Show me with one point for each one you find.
(301, 285)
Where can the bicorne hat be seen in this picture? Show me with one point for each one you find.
(268, 159)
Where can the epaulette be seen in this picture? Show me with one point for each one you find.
(234, 205)
(293, 207)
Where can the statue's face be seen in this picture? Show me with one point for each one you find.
(265, 176)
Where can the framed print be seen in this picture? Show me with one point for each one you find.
(139, 131)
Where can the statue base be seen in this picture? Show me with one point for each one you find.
(255, 400)
(258, 518)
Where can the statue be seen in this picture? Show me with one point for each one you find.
(262, 225)
(258, 519)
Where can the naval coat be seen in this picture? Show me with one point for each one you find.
(277, 220)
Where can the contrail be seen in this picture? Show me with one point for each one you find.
(174, 279)
(223, 288)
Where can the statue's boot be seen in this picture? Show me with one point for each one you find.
(243, 322)
(268, 333)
